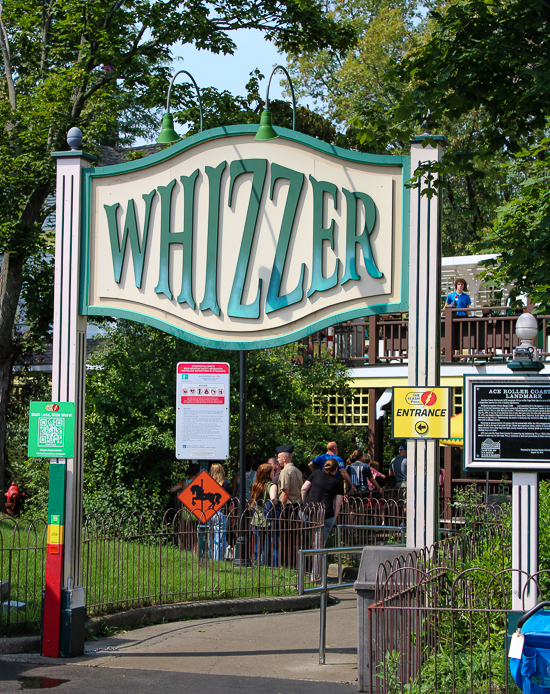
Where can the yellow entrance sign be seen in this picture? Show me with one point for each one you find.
(421, 413)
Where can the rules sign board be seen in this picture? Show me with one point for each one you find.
(202, 411)
(507, 423)
(421, 413)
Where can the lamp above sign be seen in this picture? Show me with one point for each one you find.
(233, 243)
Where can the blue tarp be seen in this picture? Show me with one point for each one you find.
(532, 672)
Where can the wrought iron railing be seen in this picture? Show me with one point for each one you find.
(483, 334)
(161, 558)
(22, 574)
(440, 618)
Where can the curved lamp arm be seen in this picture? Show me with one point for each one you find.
(281, 67)
(180, 72)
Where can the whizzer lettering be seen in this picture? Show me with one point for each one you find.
(124, 229)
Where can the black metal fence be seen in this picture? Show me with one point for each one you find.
(160, 558)
(22, 573)
(439, 622)
(157, 559)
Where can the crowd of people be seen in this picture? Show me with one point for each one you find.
(278, 484)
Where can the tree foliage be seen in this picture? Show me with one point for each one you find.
(101, 65)
(130, 411)
(368, 93)
(487, 62)
(521, 231)
(489, 56)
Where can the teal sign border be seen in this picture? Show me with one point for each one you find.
(231, 131)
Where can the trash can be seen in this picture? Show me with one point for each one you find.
(531, 672)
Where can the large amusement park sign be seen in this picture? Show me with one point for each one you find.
(229, 242)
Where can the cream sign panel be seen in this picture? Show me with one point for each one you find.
(238, 243)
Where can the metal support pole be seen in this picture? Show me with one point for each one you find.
(241, 558)
(525, 539)
(424, 346)
(339, 536)
(323, 608)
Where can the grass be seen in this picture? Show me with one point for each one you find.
(121, 574)
(22, 566)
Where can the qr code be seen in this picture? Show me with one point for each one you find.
(50, 431)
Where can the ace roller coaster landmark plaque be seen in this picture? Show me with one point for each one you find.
(507, 423)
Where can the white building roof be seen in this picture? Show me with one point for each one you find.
(468, 267)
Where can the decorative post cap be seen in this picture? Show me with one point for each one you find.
(74, 138)
(525, 356)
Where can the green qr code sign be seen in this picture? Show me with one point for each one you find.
(51, 430)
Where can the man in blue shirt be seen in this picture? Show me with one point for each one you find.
(332, 452)
(459, 298)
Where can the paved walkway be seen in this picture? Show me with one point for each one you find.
(281, 647)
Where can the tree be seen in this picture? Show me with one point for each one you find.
(371, 96)
(482, 55)
(102, 65)
(489, 61)
(130, 411)
(350, 83)
(521, 231)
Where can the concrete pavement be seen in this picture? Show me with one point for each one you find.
(272, 653)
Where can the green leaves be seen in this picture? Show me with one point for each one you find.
(130, 411)
(521, 230)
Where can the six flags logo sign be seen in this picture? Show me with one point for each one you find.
(421, 412)
(428, 398)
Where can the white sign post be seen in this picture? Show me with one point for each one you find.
(202, 411)
(229, 243)
(507, 427)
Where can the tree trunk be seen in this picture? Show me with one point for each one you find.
(11, 281)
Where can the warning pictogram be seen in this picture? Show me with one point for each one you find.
(203, 496)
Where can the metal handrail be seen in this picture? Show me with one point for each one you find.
(323, 588)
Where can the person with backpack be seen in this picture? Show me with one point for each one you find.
(398, 470)
(263, 500)
(360, 474)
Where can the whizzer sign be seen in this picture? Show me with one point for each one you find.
(226, 241)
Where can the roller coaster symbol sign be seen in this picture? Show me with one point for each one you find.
(203, 496)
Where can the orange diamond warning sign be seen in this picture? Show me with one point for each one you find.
(203, 496)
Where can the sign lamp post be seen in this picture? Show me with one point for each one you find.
(167, 133)
(266, 131)
(525, 485)
(317, 234)
(507, 428)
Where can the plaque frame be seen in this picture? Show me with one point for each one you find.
(471, 461)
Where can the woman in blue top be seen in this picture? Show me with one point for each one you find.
(459, 298)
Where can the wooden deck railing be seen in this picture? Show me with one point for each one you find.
(483, 335)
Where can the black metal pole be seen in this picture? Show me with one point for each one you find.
(240, 549)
